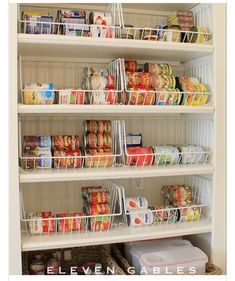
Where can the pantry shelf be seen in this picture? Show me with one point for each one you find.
(111, 109)
(54, 175)
(115, 235)
(68, 46)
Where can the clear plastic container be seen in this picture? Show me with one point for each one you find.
(178, 260)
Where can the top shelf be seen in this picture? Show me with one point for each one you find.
(90, 47)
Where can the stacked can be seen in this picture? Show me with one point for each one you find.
(137, 211)
(66, 151)
(68, 224)
(102, 22)
(98, 143)
(36, 152)
(96, 203)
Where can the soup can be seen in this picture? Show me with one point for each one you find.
(168, 97)
(91, 126)
(111, 96)
(139, 156)
(86, 189)
(166, 155)
(98, 197)
(104, 126)
(165, 214)
(100, 18)
(68, 224)
(133, 78)
(186, 79)
(98, 209)
(100, 223)
(65, 142)
(98, 159)
(70, 96)
(141, 96)
(177, 194)
(33, 142)
(67, 159)
(146, 217)
(91, 140)
(189, 213)
(136, 203)
(41, 226)
(192, 154)
(37, 159)
(131, 65)
(171, 33)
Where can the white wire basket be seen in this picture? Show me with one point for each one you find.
(78, 224)
(163, 97)
(108, 159)
(54, 25)
(163, 214)
(80, 95)
(199, 34)
(164, 155)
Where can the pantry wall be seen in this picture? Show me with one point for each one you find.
(41, 191)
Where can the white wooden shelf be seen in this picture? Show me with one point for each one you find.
(115, 235)
(67, 46)
(111, 109)
(54, 175)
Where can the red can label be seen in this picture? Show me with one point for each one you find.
(99, 209)
(65, 142)
(100, 223)
(131, 65)
(141, 98)
(66, 224)
(67, 159)
(100, 197)
(110, 82)
(135, 156)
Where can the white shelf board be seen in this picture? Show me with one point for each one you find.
(115, 235)
(52, 45)
(54, 175)
(111, 109)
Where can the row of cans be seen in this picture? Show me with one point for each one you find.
(88, 158)
(164, 215)
(165, 155)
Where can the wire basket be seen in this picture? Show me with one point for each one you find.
(76, 223)
(165, 212)
(46, 94)
(80, 25)
(84, 160)
(163, 97)
(163, 155)
(75, 257)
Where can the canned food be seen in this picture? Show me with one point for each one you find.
(66, 223)
(102, 31)
(100, 223)
(133, 78)
(40, 142)
(127, 32)
(166, 155)
(104, 126)
(192, 154)
(168, 97)
(171, 33)
(189, 213)
(107, 141)
(90, 140)
(67, 159)
(86, 189)
(110, 82)
(165, 214)
(100, 18)
(98, 159)
(98, 197)
(201, 35)
(186, 79)
(65, 142)
(189, 98)
(177, 194)
(156, 68)
(38, 158)
(136, 203)
(139, 156)
(140, 96)
(163, 81)
(35, 93)
(148, 34)
(70, 96)
(111, 97)
(91, 126)
(131, 65)
(145, 217)
(41, 226)
(98, 209)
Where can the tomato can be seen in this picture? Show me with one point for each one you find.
(133, 78)
(100, 223)
(166, 155)
(98, 159)
(67, 159)
(136, 203)
(139, 156)
(168, 97)
(98, 209)
(86, 189)
(70, 96)
(111, 96)
(33, 142)
(38, 158)
(41, 226)
(65, 142)
(192, 154)
(140, 97)
(145, 217)
(131, 65)
(98, 197)
(67, 224)
(165, 214)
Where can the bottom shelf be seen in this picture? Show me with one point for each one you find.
(115, 235)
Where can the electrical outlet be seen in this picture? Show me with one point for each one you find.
(137, 184)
